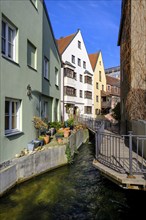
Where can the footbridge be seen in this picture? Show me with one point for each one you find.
(119, 158)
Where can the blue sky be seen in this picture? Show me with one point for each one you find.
(98, 21)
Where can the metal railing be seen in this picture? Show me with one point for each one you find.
(91, 123)
(120, 153)
(124, 154)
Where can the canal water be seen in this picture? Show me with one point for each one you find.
(77, 191)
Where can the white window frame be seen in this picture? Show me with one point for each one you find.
(46, 68)
(56, 77)
(8, 44)
(35, 55)
(11, 130)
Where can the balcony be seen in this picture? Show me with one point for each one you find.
(88, 87)
(87, 101)
(70, 99)
(106, 104)
(69, 81)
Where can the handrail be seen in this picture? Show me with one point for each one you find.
(124, 154)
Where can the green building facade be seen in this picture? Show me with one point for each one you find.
(28, 55)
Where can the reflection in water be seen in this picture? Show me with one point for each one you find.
(76, 191)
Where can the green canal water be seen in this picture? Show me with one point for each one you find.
(76, 191)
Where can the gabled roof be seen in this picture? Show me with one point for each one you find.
(93, 59)
(63, 42)
(112, 81)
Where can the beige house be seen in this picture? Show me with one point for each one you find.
(99, 81)
(132, 42)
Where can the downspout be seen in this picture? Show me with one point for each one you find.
(63, 92)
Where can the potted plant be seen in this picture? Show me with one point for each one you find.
(59, 135)
(40, 125)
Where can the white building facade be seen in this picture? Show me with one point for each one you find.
(76, 77)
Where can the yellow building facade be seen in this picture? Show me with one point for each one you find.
(99, 81)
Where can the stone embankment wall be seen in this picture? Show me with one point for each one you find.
(31, 165)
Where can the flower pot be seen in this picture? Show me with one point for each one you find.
(66, 133)
(46, 139)
(60, 140)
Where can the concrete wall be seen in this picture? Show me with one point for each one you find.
(26, 167)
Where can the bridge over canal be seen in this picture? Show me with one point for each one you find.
(119, 158)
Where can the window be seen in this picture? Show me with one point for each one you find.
(88, 79)
(70, 91)
(100, 63)
(45, 109)
(46, 68)
(56, 77)
(81, 93)
(109, 88)
(81, 78)
(97, 85)
(8, 40)
(79, 62)
(84, 64)
(97, 98)
(97, 111)
(31, 55)
(87, 95)
(79, 44)
(102, 87)
(88, 110)
(100, 76)
(12, 116)
(70, 73)
(73, 59)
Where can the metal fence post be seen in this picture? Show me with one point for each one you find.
(96, 144)
(130, 153)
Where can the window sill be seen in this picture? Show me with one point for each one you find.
(35, 6)
(32, 68)
(13, 133)
(57, 86)
(46, 79)
(10, 60)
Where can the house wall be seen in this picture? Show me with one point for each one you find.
(51, 92)
(138, 45)
(125, 61)
(133, 56)
(73, 49)
(97, 92)
(16, 76)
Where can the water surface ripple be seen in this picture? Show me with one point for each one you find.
(76, 191)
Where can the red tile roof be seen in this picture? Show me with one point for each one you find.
(93, 59)
(63, 42)
(112, 81)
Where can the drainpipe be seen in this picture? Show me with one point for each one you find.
(63, 93)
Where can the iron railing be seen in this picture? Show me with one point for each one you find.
(121, 153)
(91, 123)
(124, 154)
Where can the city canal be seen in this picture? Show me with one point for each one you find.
(77, 191)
